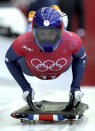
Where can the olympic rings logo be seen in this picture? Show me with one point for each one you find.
(48, 64)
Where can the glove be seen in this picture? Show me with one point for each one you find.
(28, 97)
(27, 93)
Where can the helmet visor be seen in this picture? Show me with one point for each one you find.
(51, 35)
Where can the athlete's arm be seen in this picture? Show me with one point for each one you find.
(78, 67)
(11, 59)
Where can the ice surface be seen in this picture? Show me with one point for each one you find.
(11, 99)
(55, 90)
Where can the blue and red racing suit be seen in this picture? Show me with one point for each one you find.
(24, 56)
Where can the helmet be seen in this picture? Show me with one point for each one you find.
(47, 29)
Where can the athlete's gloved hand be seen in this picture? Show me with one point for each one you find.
(26, 95)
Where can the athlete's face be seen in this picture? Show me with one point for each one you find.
(47, 34)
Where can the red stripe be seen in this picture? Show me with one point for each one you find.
(14, 115)
(46, 117)
(70, 119)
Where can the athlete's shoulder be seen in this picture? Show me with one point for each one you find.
(23, 37)
(73, 39)
(21, 41)
(73, 35)
(76, 36)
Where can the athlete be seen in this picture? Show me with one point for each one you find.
(46, 52)
(56, 7)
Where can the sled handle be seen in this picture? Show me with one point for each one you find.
(31, 104)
